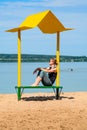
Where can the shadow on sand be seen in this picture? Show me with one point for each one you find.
(45, 98)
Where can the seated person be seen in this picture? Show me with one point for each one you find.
(46, 75)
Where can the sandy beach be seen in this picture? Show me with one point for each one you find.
(40, 111)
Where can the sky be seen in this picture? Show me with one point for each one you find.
(71, 13)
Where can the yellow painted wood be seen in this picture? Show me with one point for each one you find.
(58, 59)
(19, 58)
(46, 21)
(18, 29)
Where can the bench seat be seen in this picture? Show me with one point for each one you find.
(21, 88)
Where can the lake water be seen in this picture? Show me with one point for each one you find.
(71, 81)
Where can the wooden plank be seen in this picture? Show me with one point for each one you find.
(36, 87)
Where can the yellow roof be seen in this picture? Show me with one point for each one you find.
(46, 21)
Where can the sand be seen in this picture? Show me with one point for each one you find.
(41, 111)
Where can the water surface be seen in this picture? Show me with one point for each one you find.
(73, 76)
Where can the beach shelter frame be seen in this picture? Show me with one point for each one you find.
(47, 23)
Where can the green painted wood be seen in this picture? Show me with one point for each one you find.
(43, 87)
(19, 93)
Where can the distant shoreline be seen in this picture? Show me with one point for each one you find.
(40, 58)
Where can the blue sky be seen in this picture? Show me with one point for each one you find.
(71, 13)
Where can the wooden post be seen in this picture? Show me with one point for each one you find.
(19, 64)
(58, 64)
(58, 59)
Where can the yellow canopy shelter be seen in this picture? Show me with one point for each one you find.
(47, 22)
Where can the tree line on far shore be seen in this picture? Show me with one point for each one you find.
(40, 58)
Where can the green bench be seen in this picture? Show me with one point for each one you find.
(21, 89)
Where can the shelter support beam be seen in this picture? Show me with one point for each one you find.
(58, 64)
(19, 65)
(58, 59)
(57, 93)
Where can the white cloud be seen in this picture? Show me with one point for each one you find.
(66, 3)
(45, 3)
(12, 14)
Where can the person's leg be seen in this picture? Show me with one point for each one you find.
(42, 76)
(37, 81)
(46, 81)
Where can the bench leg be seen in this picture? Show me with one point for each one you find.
(57, 93)
(19, 93)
